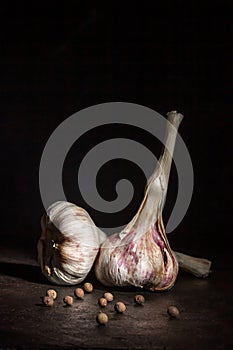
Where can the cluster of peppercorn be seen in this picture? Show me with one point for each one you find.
(51, 295)
(102, 317)
(119, 307)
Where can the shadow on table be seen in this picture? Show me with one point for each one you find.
(26, 272)
(32, 273)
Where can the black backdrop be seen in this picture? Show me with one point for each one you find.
(57, 58)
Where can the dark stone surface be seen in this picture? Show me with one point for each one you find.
(205, 322)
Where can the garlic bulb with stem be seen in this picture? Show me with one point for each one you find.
(140, 255)
(68, 244)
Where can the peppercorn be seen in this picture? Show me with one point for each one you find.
(79, 293)
(108, 296)
(102, 318)
(173, 311)
(51, 293)
(68, 300)
(120, 307)
(103, 302)
(88, 287)
(48, 301)
(139, 299)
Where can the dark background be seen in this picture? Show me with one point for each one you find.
(57, 59)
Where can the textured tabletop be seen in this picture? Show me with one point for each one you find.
(205, 322)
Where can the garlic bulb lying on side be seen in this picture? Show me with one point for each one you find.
(68, 244)
(140, 255)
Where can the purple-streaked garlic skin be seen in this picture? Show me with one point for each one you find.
(141, 263)
(69, 243)
(140, 255)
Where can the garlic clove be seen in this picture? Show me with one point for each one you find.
(68, 244)
(140, 255)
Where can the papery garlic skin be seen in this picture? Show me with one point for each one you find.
(140, 255)
(68, 244)
(141, 263)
